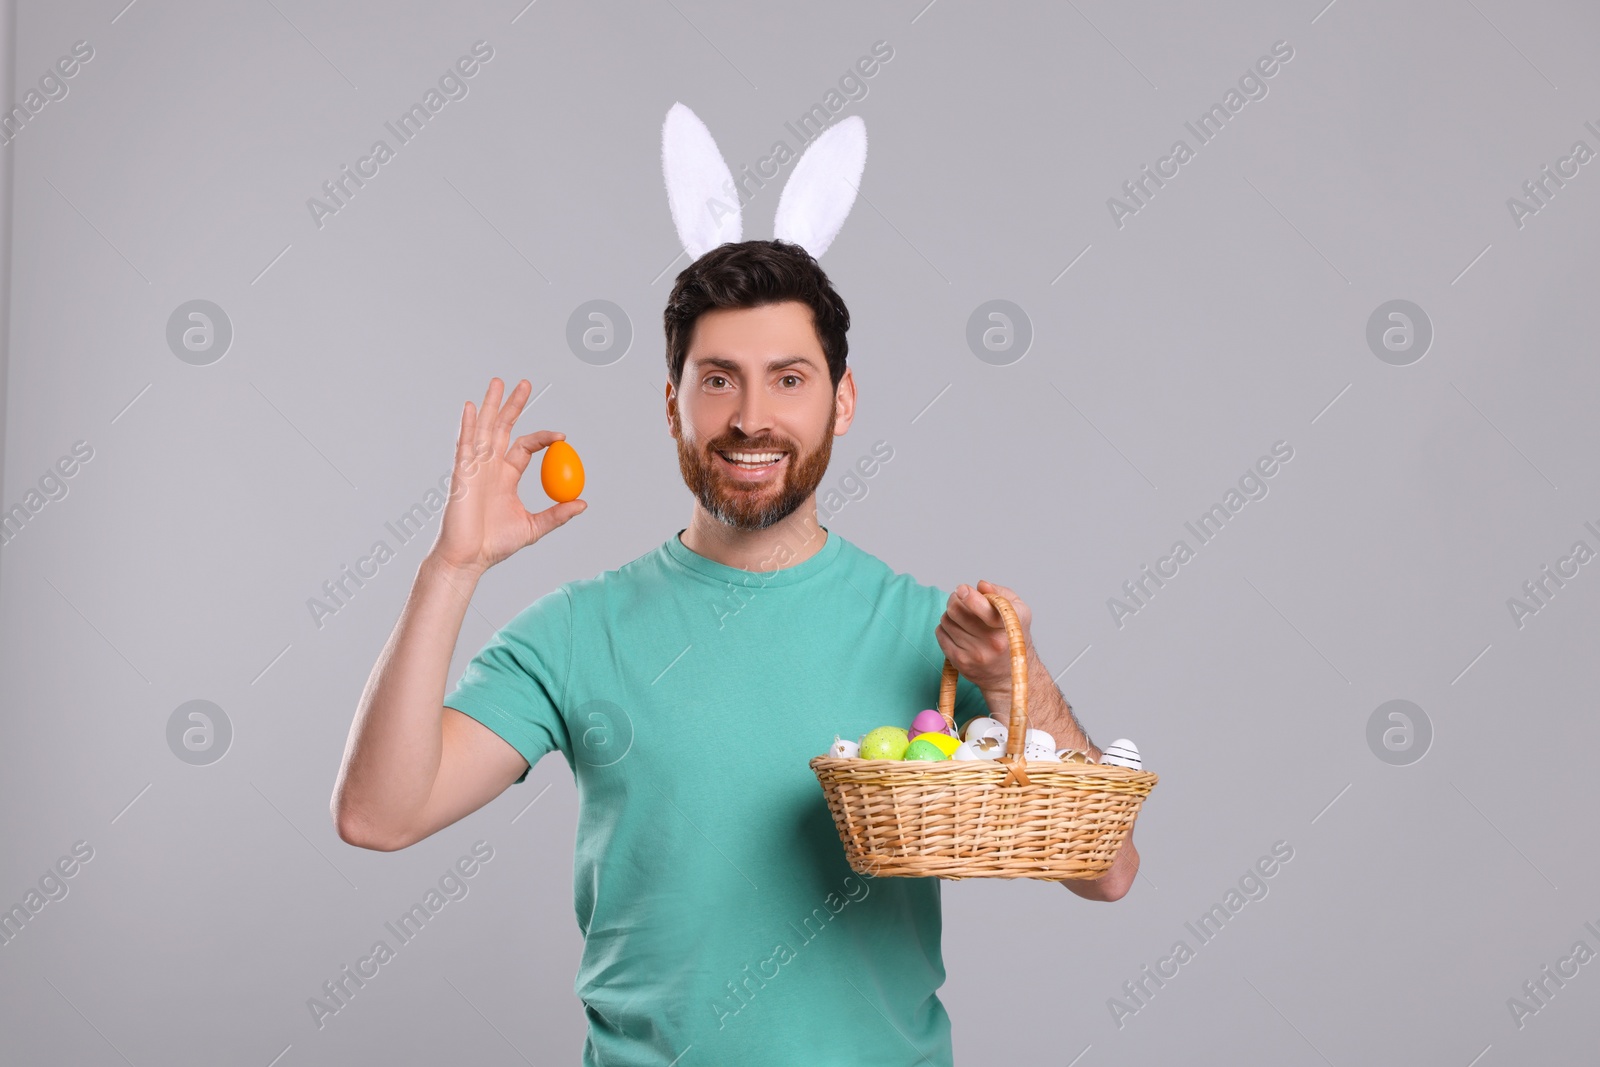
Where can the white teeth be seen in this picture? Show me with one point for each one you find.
(754, 459)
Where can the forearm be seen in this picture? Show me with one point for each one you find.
(1117, 879)
(392, 755)
(1047, 709)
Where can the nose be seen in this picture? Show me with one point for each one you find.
(754, 415)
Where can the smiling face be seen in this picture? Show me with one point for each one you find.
(756, 414)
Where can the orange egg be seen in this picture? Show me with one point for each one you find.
(561, 473)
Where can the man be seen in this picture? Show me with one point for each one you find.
(687, 690)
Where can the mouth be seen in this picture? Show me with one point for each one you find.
(746, 466)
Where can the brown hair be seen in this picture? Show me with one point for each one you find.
(752, 274)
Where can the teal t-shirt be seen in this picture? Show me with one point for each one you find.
(721, 923)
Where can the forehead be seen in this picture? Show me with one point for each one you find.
(769, 335)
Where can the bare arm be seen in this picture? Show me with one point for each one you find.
(1049, 711)
(973, 635)
(412, 766)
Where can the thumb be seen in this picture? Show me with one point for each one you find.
(542, 522)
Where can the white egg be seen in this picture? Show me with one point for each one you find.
(965, 751)
(842, 749)
(979, 727)
(988, 747)
(1122, 753)
(1038, 753)
(1039, 738)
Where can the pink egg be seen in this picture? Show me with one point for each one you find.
(929, 722)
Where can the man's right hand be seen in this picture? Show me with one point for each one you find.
(484, 520)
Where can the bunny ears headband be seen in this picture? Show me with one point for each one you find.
(811, 208)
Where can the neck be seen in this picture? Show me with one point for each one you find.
(783, 544)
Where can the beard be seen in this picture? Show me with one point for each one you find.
(747, 506)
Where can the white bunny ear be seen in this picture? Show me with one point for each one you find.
(705, 207)
(822, 189)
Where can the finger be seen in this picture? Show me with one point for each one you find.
(972, 609)
(523, 448)
(967, 642)
(1017, 604)
(976, 616)
(508, 416)
(1004, 591)
(464, 425)
(465, 435)
(952, 635)
(958, 617)
(542, 522)
(976, 639)
(487, 413)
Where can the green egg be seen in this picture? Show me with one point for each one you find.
(885, 742)
(920, 749)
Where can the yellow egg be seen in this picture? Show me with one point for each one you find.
(944, 742)
(561, 473)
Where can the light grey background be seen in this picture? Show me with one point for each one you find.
(1228, 314)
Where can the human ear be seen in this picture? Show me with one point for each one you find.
(844, 402)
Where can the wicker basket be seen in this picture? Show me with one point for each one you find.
(1004, 818)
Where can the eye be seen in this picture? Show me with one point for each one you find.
(712, 379)
(788, 377)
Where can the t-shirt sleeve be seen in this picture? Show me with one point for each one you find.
(517, 682)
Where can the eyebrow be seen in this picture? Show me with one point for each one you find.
(722, 363)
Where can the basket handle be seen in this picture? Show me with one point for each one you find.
(1019, 690)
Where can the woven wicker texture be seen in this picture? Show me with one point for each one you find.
(1004, 818)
